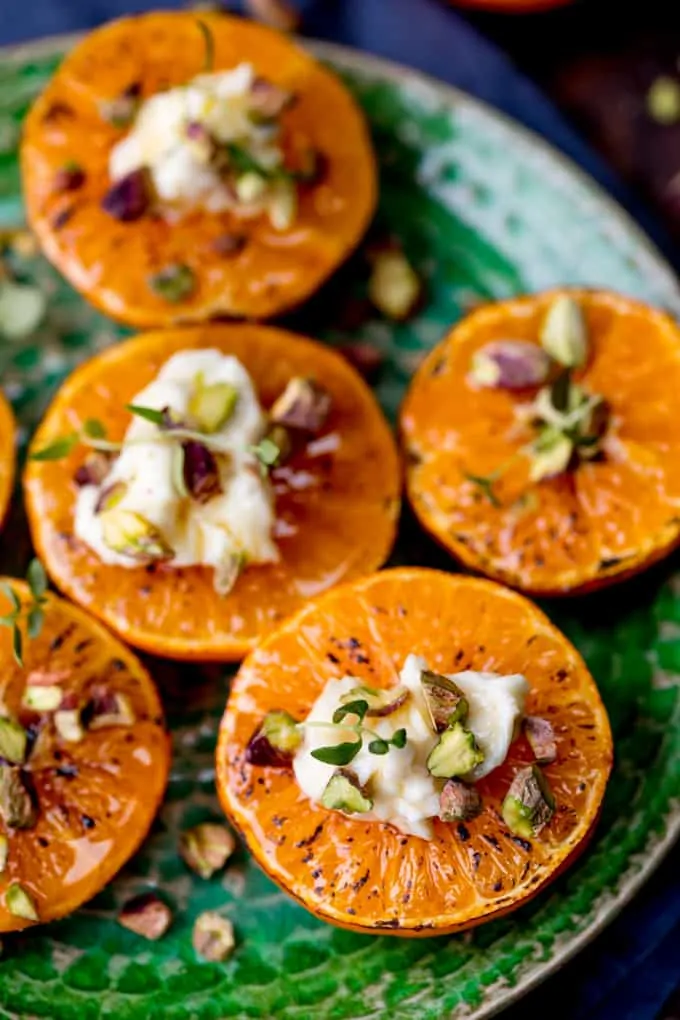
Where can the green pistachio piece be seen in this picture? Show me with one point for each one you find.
(22, 308)
(250, 187)
(130, 534)
(529, 804)
(303, 405)
(282, 205)
(206, 848)
(69, 725)
(227, 573)
(110, 497)
(20, 903)
(459, 802)
(380, 702)
(455, 754)
(12, 741)
(110, 709)
(213, 936)
(212, 406)
(17, 808)
(343, 793)
(173, 284)
(564, 334)
(445, 701)
(663, 100)
(394, 286)
(549, 454)
(40, 698)
(4, 853)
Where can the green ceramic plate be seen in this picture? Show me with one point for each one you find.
(485, 210)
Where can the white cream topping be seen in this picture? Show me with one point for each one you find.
(403, 791)
(183, 167)
(238, 521)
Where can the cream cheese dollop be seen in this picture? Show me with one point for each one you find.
(175, 136)
(237, 522)
(401, 788)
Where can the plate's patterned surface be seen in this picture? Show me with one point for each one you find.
(484, 211)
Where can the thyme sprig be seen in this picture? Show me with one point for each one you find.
(33, 614)
(346, 752)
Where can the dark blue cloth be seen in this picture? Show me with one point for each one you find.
(632, 968)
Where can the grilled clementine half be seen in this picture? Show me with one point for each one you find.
(337, 500)
(7, 455)
(93, 798)
(112, 262)
(366, 875)
(600, 521)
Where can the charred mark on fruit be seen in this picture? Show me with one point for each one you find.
(68, 771)
(361, 882)
(56, 112)
(497, 886)
(437, 368)
(476, 859)
(351, 910)
(63, 217)
(43, 842)
(88, 821)
(393, 922)
(609, 562)
(463, 832)
(310, 840)
(332, 658)
(523, 844)
(309, 856)
(492, 841)
(561, 675)
(59, 639)
(278, 820)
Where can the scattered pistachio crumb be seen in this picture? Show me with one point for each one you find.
(663, 100)
(213, 936)
(146, 915)
(20, 903)
(206, 848)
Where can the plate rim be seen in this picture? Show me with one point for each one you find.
(343, 56)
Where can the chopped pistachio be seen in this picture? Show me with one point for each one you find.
(12, 741)
(227, 573)
(549, 454)
(343, 793)
(4, 853)
(510, 365)
(212, 406)
(282, 205)
(206, 848)
(22, 308)
(213, 936)
(564, 334)
(130, 534)
(173, 283)
(394, 286)
(663, 100)
(250, 187)
(110, 709)
(541, 737)
(282, 439)
(529, 804)
(276, 740)
(459, 802)
(380, 702)
(42, 699)
(110, 497)
(445, 701)
(20, 903)
(146, 915)
(69, 725)
(455, 754)
(17, 807)
(200, 472)
(303, 405)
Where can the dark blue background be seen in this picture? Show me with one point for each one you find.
(630, 971)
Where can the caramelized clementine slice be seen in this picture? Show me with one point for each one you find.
(93, 798)
(337, 500)
(7, 455)
(367, 875)
(601, 520)
(240, 266)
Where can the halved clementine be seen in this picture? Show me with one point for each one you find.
(337, 500)
(598, 522)
(7, 455)
(94, 798)
(367, 875)
(112, 262)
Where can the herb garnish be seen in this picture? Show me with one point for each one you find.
(209, 41)
(343, 754)
(33, 613)
(268, 453)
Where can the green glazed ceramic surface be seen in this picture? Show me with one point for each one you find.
(485, 211)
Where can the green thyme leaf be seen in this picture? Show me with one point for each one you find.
(486, 484)
(559, 391)
(34, 621)
(9, 591)
(36, 579)
(57, 450)
(358, 708)
(17, 645)
(399, 738)
(209, 41)
(94, 429)
(378, 747)
(148, 413)
(339, 754)
(9, 620)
